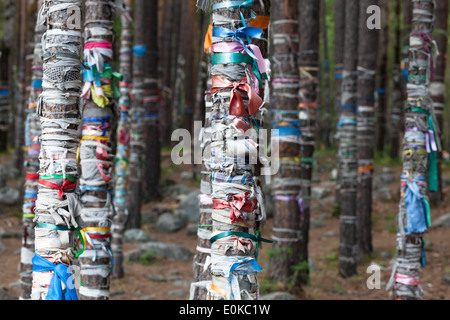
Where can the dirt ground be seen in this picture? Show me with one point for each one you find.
(325, 282)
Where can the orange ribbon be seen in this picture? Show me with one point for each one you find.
(237, 106)
(261, 22)
(208, 39)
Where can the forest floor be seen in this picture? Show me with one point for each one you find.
(174, 276)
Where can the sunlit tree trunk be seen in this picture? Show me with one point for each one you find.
(414, 214)
(57, 207)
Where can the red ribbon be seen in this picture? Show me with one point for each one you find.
(68, 184)
(32, 176)
(237, 106)
(238, 203)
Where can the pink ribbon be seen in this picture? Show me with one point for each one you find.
(406, 280)
(239, 202)
(100, 44)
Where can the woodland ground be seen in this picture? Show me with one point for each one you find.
(325, 282)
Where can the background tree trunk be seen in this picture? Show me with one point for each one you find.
(152, 104)
(308, 62)
(286, 185)
(57, 207)
(339, 33)
(96, 155)
(121, 174)
(347, 144)
(437, 86)
(397, 90)
(31, 166)
(367, 57)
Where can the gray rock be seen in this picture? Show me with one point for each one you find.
(136, 235)
(329, 234)
(318, 193)
(189, 206)
(192, 229)
(132, 255)
(2, 246)
(156, 277)
(178, 293)
(4, 294)
(386, 176)
(383, 194)
(9, 196)
(312, 265)
(386, 254)
(316, 224)
(278, 296)
(442, 221)
(170, 222)
(167, 250)
(187, 175)
(446, 279)
(177, 190)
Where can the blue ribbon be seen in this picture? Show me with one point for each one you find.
(55, 291)
(139, 50)
(241, 32)
(416, 209)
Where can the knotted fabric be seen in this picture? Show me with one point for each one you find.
(237, 106)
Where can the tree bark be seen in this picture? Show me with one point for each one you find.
(381, 89)
(367, 57)
(339, 33)
(413, 217)
(57, 205)
(122, 160)
(287, 227)
(308, 62)
(31, 166)
(347, 144)
(437, 87)
(397, 90)
(234, 238)
(96, 157)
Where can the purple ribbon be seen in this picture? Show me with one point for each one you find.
(292, 198)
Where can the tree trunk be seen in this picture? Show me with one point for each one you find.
(347, 144)
(339, 33)
(367, 57)
(437, 87)
(286, 186)
(152, 104)
(166, 72)
(235, 230)
(121, 174)
(57, 206)
(31, 166)
(308, 62)
(6, 88)
(381, 89)
(397, 91)
(96, 157)
(413, 217)
(328, 116)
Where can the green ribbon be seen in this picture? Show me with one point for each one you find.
(63, 228)
(58, 176)
(432, 155)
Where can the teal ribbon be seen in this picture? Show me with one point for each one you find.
(233, 57)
